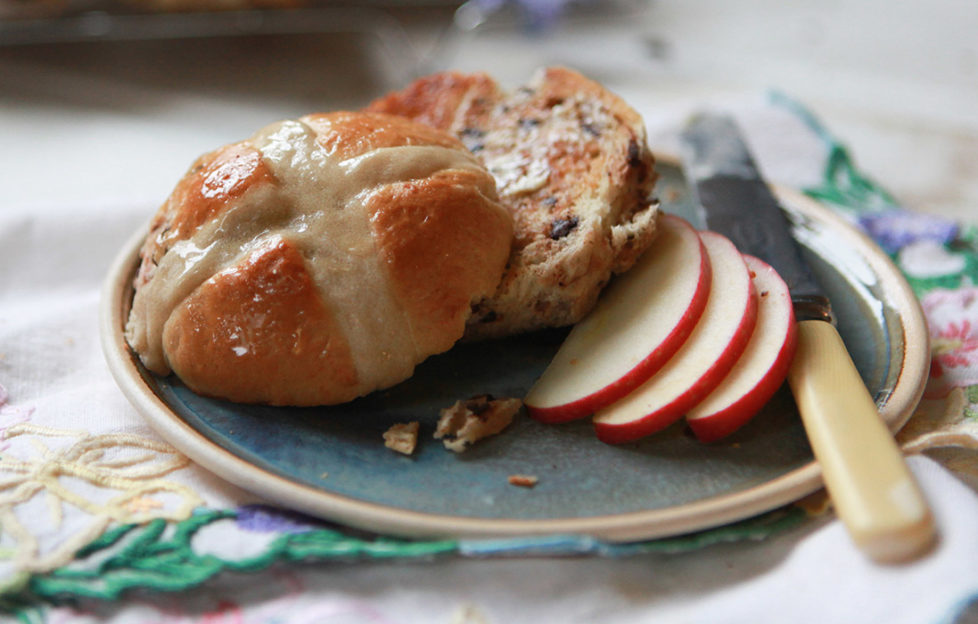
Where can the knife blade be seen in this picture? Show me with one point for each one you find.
(864, 472)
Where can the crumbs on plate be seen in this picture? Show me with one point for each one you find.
(520, 480)
(470, 420)
(402, 437)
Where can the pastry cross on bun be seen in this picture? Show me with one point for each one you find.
(571, 164)
(317, 261)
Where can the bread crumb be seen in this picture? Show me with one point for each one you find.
(526, 481)
(402, 437)
(470, 420)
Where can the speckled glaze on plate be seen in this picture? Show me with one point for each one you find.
(331, 461)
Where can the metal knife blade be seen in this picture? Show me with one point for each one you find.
(735, 201)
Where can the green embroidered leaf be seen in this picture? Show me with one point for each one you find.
(845, 187)
(971, 408)
(159, 556)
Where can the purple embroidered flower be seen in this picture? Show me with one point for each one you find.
(267, 519)
(895, 229)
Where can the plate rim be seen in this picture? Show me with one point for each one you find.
(627, 526)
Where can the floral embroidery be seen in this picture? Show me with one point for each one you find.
(844, 186)
(267, 519)
(895, 229)
(167, 556)
(929, 261)
(945, 422)
(952, 317)
(56, 479)
(142, 505)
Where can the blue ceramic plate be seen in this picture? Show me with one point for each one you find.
(331, 461)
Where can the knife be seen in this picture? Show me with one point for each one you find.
(869, 483)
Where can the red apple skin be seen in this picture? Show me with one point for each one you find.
(721, 423)
(666, 415)
(658, 356)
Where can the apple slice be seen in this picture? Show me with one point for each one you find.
(762, 366)
(641, 320)
(704, 359)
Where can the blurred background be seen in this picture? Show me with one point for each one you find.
(121, 96)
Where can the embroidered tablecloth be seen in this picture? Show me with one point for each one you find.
(102, 520)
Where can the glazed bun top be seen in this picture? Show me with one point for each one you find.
(317, 261)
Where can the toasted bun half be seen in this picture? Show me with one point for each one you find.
(571, 164)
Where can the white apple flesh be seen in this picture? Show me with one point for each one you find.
(720, 336)
(641, 320)
(762, 366)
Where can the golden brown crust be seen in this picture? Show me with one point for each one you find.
(212, 183)
(437, 240)
(318, 261)
(438, 100)
(249, 332)
(346, 134)
(572, 166)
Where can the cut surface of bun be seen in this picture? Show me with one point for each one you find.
(571, 164)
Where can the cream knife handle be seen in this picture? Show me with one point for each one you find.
(871, 487)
